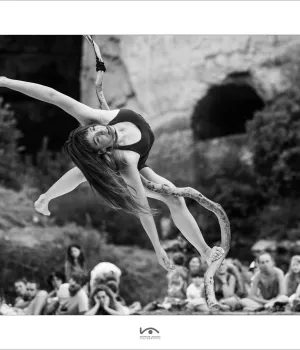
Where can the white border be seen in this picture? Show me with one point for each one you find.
(176, 332)
(168, 17)
(149, 17)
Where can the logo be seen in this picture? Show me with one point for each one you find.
(149, 333)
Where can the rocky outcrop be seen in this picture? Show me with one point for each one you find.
(164, 76)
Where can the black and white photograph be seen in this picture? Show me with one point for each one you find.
(149, 175)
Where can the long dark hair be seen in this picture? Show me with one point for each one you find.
(81, 258)
(101, 169)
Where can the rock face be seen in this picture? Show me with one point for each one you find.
(164, 76)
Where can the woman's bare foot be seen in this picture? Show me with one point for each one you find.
(213, 254)
(41, 205)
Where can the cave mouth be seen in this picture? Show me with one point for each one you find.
(226, 108)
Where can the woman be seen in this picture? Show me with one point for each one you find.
(75, 260)
(54, 281)
(225, 285)
(292, 279)
(103, 302)
(110, 149)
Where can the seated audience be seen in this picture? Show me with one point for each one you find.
(225, 286)
(243, 278)
(76, 303)
(267, 287)
(22, 299)
(104, 271)
(75, 260)
(179, 260)
(55, 280)
(195, 264)
(129, 310)
(103, 302)
(37, 297)
(292, 279)
(195, 293)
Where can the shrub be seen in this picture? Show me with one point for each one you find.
(9, 151)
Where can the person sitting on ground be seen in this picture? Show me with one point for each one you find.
(77, 303)
(38, 298)
(268, 281)
(129, 310)
(242, 277)
(225, 286)
(292, 279)
(22, 300)
(179, 261)
(176, 296)
(54, 280)
(103, 272)
(195, 293)
(75, 260)
(195, 264)
(296, 302)
(103, 302)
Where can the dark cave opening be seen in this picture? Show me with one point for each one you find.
(226, 108)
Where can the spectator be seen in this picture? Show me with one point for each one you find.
(103, 302)
(296, 301)
(225, 285)
(195, 293)
(75, 260)
(102, 272)
(176, 296)
(77, 302)
(269, 282)
(37, 297)
(22, 299)
(55, 280)
(195, 265)
(179, 261)
(292, 278)
(129, 310)
(242, 277)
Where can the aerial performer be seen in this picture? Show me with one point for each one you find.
(110, 149)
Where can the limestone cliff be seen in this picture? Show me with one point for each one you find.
(164, 76)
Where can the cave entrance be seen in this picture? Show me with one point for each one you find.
(226, 107)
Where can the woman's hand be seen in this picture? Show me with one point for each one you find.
(97, 301)
(163, 259)
(41, 205)
(105, 304)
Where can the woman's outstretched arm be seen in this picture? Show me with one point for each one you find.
(132, 178)
(67, 183)
(84, 114)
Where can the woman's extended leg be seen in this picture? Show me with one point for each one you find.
(67, 183)
(182, 217)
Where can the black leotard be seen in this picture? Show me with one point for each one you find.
(143, 146)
